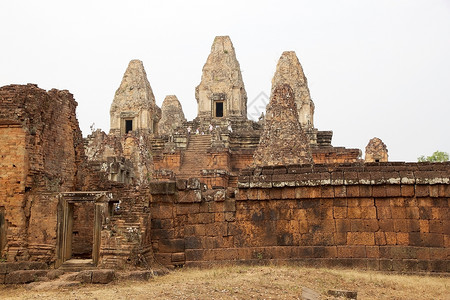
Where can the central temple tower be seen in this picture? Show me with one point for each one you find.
(134, 107)
(221, 93)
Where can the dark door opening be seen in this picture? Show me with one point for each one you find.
(83, 230)
(219, 109)
(128, 126)
(155, 127)
(2, 229)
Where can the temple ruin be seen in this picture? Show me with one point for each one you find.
(289, 71)
(160, 189)
(283, 141)
(134, 107)
(376, 151)
(172, 116)
(221, 92)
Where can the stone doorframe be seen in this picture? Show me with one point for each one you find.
(103, 202)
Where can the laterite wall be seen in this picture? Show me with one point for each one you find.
(391, 216)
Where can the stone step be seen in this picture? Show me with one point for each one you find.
(76, 265)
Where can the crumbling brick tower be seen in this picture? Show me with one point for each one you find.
(46, 212)
(283, 141)
(41, 150)
(290, 71)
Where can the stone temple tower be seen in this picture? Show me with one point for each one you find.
(221, 92)
(134, 107)
(172, 115)
(283, 141)
(376, 151)
(289, 71)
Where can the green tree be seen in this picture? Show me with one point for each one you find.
(437, 156)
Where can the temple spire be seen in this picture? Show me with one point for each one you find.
(283, 141)
(134, 106)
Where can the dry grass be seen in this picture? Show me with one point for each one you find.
(256, 282)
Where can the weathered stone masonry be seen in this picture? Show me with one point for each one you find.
(186, 196)
(41, 146)
(392, 216)
(44, 172)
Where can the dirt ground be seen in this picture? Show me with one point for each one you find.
(249, 282)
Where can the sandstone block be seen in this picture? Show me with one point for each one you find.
(422, 190)
(380, 238)
(379, 190)
(54, 274)
(84, 276)
(103, 276)
(171, 245)
(343, 294)
(181, 184)
(361, 238)
(24, 276)
(144, 275)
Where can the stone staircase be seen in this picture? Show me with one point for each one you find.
(157, 144)
(76, 265)
(195, 157)
(131, 213)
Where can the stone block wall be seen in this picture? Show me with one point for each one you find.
(125, 236)
(391, 216)
(335, 155)
(241, 160)
(167, 161)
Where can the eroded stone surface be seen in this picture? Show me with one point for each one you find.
(221, 82)
(172, 115)
(134, 101)
(301, 212)
(125, 158)
(290, 71)
(41, 150)
(376, 151)
(283, 141)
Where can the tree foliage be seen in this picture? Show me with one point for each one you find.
(437, 156)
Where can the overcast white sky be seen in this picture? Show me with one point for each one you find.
(375, 68)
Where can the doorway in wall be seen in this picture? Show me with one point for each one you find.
(128, 126)
(80, 216)
(2, 230)
(218, 109)
(83, 230)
